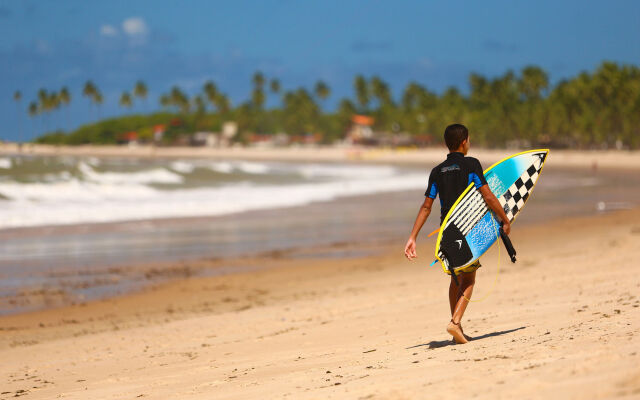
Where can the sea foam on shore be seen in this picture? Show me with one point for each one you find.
(66, 190)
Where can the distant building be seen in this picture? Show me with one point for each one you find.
(229, 130)
(423, 140)
(208, 139)
(307, 139)
(260, 140)
(130, 138)
(269, 140)
(158, 133)
(360, 131)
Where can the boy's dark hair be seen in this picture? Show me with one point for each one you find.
(454, 135)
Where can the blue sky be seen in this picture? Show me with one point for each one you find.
(50, 44)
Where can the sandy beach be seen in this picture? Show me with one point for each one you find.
(561, 323)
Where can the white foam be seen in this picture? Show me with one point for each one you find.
(5, 163)
(156, 175)
(62, 176)
(104, 198)
(223, 167)
(252, 167)
(93, 161)
(182, 167)
(341, 171)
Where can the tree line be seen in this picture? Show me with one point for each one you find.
(599, 109)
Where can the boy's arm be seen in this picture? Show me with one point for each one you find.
(495, 206)
(421, 218)
(477, 176)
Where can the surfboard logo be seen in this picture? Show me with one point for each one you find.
(459, 244)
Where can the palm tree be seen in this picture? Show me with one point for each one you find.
(345, 111)
(258, 80)
(98, 99)
(43, 106)
(42, 98)
(179, 99)
(165, 101)
(54, 101)
(258, 98)
(322, 91)
(140, 91)
(33, 113)
(362, 92)
(302, 113)
(89, 91)
(125, 100)
(413, 92)
(65, 99)
(199, 104)
(211, 92)
(17, 96)
(534, 80)
(380, 90)
(274, 86)
(223, 104)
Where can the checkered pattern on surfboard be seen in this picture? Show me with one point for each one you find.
(514, 198)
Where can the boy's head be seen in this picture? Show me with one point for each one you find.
(456, 136)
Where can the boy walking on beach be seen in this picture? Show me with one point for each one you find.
(449, 179)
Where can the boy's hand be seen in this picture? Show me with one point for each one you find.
(506, 227)
(410, 249)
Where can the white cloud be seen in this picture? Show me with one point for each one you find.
(108, 30)
(134, 26)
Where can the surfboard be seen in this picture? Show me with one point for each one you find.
(469, 229)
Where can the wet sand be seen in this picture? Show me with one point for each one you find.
(562, 323)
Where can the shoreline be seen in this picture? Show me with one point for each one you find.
(353, 327)
(563, 158)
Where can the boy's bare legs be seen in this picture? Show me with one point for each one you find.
(467, 280)
(454, 295)
(453, 298)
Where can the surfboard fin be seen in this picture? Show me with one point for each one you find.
(453, 274)
(508, 245)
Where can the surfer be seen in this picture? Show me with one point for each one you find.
(448, 180)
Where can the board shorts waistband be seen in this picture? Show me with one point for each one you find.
(468, 268)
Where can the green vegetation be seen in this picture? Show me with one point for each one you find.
(599, 109)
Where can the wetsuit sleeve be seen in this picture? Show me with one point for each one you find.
(476, 175)
(432, 189)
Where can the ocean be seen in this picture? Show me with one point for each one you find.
(38, 191)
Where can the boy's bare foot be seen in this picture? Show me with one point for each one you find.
(455, 331)
(469, 338)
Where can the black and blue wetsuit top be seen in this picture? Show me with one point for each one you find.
(450, 178)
